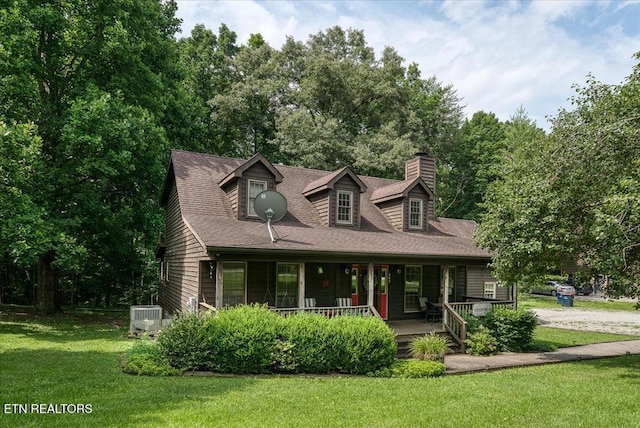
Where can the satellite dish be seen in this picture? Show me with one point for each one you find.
(271, 206)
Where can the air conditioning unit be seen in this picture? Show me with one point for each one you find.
(193, 305)
(146, 318)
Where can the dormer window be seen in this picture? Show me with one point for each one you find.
(336, 198)
(254, 188)
(415, 213)
(344, 207)
(246, 181)
(405, 204)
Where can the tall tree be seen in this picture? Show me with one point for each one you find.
(574, 195)
(470, 166)
(344, 106)
(244, 114)
(92, 76)
(206, 70)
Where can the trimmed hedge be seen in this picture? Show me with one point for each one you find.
(253, 339)
(502, 330)
(513, 329)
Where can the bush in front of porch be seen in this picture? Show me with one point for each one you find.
(502, 330)
(252, 339)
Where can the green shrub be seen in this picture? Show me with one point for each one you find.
(411, 369)
(362, 344)
(253, 339)
(473, 322)
(283, 358)
(146, 358)
(481, 342)
(242, 339)
(314, 342)
(186, 343)
(421, 368)
(430, 347)
(513, 329)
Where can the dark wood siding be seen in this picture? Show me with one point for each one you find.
(393, 212)
(320, 202)
(395, 294)
(477, 276)
(325, 287)
(461, 282)
(183, 254)
(431, 282)
(232, 194)
(422, 166)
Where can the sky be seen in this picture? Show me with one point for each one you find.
(498, 55)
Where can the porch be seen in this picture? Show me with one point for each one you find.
(452, 324)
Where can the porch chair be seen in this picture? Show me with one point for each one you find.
(310, 302)
(430, 310)
(343, 301)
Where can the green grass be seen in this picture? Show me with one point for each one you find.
(528, 301)
(75, 359)
(562, 338)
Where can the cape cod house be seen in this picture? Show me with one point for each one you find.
(345, 241)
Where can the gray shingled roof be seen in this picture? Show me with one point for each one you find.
(397, 190)
(207, 211)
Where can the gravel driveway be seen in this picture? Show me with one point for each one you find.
(590, 320)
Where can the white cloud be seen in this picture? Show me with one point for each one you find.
(497, 55)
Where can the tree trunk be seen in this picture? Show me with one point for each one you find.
(48, 301)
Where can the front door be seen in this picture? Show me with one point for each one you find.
(360, 286)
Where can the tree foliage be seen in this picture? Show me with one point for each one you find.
(471, 165)
(573, 196)
(94, 79)
(329, 102)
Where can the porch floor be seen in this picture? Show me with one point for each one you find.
(414, 327)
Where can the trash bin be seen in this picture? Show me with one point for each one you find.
(559, 296)
(567, 299)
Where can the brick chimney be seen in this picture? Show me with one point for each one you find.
(423, 166)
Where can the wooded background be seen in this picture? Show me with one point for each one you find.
(95, 93)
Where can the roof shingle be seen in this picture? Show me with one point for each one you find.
(206, 208)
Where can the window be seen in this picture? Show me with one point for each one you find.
(164, 270)
(344, 207)
(255, 187)
(489, 290)
(412, 288)
(415, 214)
(233, 283)
(287, 285)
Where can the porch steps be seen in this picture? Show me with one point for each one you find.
(404, 340)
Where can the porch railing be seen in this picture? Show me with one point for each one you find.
(467, 307)
(330, 311)
(455, 324)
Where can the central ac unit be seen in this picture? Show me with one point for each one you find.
(146, 317)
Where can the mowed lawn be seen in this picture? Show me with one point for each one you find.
(76, 360)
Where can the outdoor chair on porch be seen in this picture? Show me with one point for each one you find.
(310, 302)
(342, 302)
(430, 310)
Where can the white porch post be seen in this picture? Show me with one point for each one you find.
(219, 276)
(445, 281)
(370, 279)
(301, 285)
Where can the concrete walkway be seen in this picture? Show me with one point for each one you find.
(462, 363)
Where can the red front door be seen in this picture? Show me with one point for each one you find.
(360, 287)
